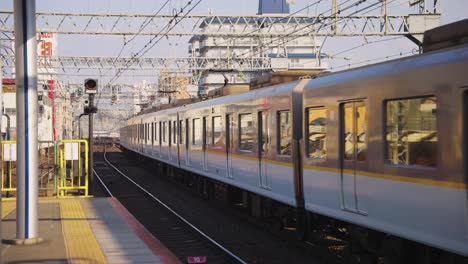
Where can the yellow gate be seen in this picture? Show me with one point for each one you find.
(8, 166)
(73, 167)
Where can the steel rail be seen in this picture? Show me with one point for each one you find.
(175, 213)
(103, 184)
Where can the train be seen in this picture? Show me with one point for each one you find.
(380, 147)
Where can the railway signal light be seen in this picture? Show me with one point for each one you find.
(91, 86)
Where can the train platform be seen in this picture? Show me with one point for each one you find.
(82, 230)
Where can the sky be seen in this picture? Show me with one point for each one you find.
(346, 49)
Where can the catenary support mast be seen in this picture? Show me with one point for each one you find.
(26, 102)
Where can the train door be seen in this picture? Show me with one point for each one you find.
(169, 144)
(152, 138)
(159, 138)
(204, 142)
(465, 134)
(142, 134)
(187, 142)
(353, 152)
(229, 143)
(263, 139)
(174, 155)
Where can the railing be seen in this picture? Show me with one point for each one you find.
(8, 166)
(73, 167)
(62, 171)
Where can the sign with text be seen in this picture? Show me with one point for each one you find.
(71, 151)
(196, 259)
(9, 152)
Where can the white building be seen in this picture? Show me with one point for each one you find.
(290, 53)
(54, 108)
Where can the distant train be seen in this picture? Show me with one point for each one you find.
(107, 141)
(382, 147)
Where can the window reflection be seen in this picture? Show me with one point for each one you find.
(317, 131)
(285, 132)
(196, 132)
(246, 132)
(217, 132)
(411, 132)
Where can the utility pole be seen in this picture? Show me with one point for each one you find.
(91, 146)
(26, 130)
(91, 90)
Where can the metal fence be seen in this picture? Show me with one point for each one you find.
(63, 168)
(73, 167)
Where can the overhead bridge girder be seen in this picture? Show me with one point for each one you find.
(180, 63)
(220, 25)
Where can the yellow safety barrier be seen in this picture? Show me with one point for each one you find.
(73, 167)
(8, 166)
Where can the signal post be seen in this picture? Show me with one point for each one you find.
(91, 90)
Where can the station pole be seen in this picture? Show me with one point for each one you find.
(26, 131)
(91, 146)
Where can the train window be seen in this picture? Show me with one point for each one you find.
(196, 132)
(285, 132)
(164, 132)
(174, 128)
(205, 136)
(181, 132)
(246, 132)
(156, 134)
(152, 133)
(217, 131)
(169, 132)
(317, 131)
(160, 132)
(187, 133)
(411, 132)
(354, 131)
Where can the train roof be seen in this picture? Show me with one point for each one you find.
(389, 68)
(251, 95)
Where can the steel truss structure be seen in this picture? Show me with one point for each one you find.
(221, 25)
(181, 64)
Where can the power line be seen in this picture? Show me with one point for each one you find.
(361, 45)
(331, 23)
(400, 54)
(143, 51)
(140, 30)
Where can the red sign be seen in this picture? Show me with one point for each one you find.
(193, 259)
(50, 88)
(50, 94)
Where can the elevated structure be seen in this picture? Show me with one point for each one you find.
(133, 24)
(282, 52)
(149, 63)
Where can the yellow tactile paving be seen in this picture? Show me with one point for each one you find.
(80, 242)
(8, 207)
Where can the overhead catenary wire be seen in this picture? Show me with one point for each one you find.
(281, 40)
(147, 46)
(142, 51)
(143, 26)
(400, 54)
(331, 23)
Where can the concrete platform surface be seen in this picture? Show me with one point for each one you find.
(82, 230)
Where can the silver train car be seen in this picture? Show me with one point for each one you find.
(382, 147)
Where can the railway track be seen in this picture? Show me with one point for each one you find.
(177, 233)
(187, 224)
